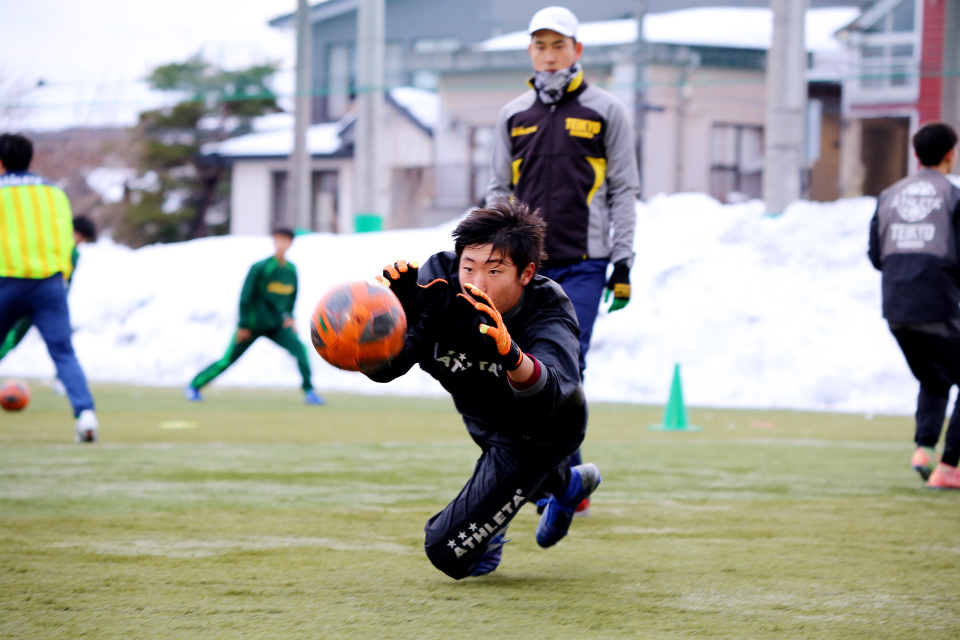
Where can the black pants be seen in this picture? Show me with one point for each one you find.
(932, 351)
(504, 479)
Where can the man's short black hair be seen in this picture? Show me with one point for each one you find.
(515, 232)
(16, 152)
(283, 231)
(85, 227)
(933, 141)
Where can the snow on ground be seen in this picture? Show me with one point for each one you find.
(759, 311)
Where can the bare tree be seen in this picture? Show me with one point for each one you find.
(13, 105)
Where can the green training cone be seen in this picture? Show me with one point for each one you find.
(675, 415)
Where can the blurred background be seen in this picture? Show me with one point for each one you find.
(176, 124)
(205, 118)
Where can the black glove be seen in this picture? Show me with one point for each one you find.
(619, 285)
(401, 278)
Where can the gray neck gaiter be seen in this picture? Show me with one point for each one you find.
(551, 86)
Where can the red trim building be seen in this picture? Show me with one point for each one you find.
(904, 57)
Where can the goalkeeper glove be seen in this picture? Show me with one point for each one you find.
(619, 286)
(508, 354)
(401, 278)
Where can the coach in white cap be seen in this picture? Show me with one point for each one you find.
(566, 149)
(557, 19)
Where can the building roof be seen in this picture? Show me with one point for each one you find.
(272, 135)
(323, 10)
(730, 27)
(322, 140)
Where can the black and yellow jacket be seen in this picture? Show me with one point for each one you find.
(575, 162)
(268, 295)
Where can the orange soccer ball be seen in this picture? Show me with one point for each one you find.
(358, 326)
(14, 395)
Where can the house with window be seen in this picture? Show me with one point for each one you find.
(702, 100)
(904, 56)
(260, 162)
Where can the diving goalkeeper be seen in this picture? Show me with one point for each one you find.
(504, 342)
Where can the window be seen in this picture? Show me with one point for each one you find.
(342, 80)
(736, 162)
(324, 206)
(888, 51)
(901, 18)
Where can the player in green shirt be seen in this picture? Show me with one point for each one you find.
(83, 231)
(266, 309)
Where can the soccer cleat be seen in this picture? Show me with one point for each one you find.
(192, 394)
(583, 509)
(923, 462)
(944, 477)
(558, 512)
(491, 559)
(86, 429)
(311, 397)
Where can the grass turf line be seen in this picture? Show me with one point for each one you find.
(273, 519)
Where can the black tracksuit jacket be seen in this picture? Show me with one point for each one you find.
(446, 343)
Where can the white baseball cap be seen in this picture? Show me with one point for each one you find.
(559, 19)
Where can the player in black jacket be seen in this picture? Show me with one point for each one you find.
(915, 242)
(504, 343)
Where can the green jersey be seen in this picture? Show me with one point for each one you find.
(268, 295)
(74, 259)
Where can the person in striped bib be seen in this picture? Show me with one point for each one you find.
(36, 245)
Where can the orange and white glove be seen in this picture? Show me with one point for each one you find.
(508, 353)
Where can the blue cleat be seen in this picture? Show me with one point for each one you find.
(558, 513)
(311, 397)
(192, 394)
(491, 559)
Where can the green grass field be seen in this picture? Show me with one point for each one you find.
(254, 516)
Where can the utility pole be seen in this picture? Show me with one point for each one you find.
(786, 106)
(640, 88)
(370, 178)
(299, 214)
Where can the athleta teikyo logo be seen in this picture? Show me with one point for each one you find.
(477, 533)
(456, 361)
(915, 201)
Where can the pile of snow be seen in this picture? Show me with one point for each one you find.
(759, 311)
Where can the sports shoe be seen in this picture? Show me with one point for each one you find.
(944, 477)
(583, 509)
(192, 394)
(58, 387)
(86, 429)
(491, 559)
(311, 397)
(923, 462)
(558, 512)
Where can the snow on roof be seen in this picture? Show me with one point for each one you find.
(736, 27)
(423, 105)
(322, 139)
(273, 133)
(273, 122)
